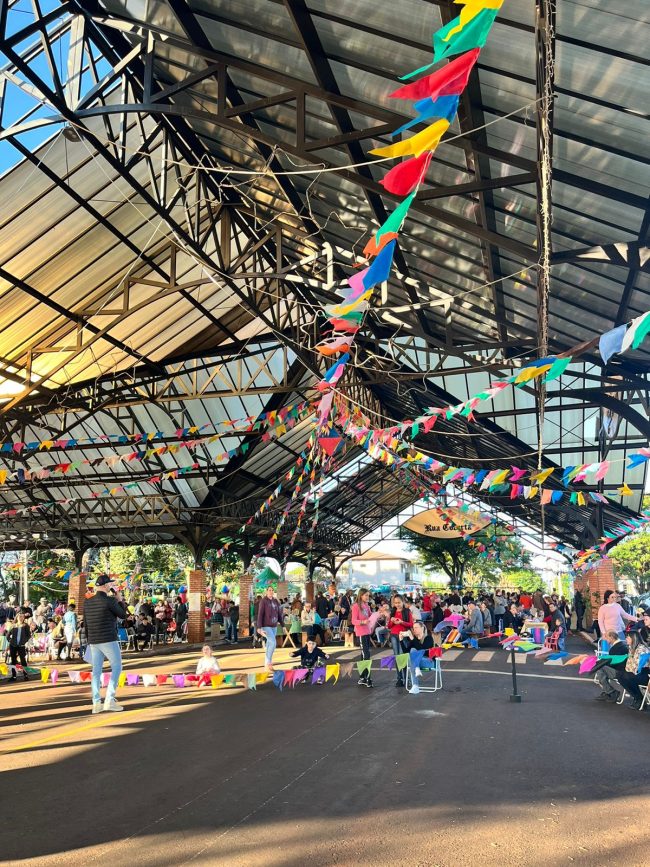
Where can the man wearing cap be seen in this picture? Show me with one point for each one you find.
(101, 613)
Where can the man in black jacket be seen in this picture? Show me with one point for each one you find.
(18, 637)
(101, 613)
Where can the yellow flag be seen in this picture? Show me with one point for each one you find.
(470, 10)
(541, 477)
(344, 309)
(533, 492)
(261, 678)
(45, 673)
(121, 680)
(3, 476)
(581, 498)
(3, 668)
(332, 671)
(417, 144)
(625, 490)
(216, 680)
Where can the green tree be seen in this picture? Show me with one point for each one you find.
(494, 550)
(632, 557)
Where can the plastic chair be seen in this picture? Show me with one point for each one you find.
(551, 641)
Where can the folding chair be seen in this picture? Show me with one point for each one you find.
(645, 700)
(426, 665)
(602, 648)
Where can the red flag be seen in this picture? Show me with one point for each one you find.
(449, 80)
(405, 176)
(329, 444)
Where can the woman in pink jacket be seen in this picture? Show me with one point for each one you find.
(360, 617)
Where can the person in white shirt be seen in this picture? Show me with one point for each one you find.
(416, 614)
(207, 666)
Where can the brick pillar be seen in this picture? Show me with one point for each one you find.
(77, 591)
(245, 597)
(593, 584)
(309, 590)
(196, 606)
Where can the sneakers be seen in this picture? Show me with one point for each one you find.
(98, 707)
(415, 689)
(635, 704)
(602, 697)
(399, 683)
(361, 681)
(368, 683)
(113, 706)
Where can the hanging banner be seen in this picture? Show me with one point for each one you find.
(449, 523)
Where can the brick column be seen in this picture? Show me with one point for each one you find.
(77, 591)
(593, 584)
(309, 590)
(245, 596)
(196, 606)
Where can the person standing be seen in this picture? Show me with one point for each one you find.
(180, 616)
(579, 608)
(611, 616)
(269, 614)
(101, 613)
(233, 613)
(360, 615)
(399, 621)
(70, 627)
(19, 635)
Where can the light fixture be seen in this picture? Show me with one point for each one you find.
(71, 133)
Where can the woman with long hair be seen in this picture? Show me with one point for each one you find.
(360, 617)
(632, 678)
(399, 622)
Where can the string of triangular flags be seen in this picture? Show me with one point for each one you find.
(279, 426)
(436, 98)
(287, 416)
(497, 481)
(588, 558)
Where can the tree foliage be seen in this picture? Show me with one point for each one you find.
(163, 559)
(495, 550)
(632, 557)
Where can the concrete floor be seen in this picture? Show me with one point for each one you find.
(326, 775)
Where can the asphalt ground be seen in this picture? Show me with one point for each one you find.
(326, 775)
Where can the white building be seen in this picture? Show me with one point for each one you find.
(377, 568)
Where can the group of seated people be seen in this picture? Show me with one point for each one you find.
(624, 664)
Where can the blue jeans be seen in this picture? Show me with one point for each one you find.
(111, 651)
(231, 630)
(269, 631)
(396, 644)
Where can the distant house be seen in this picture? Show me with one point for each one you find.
(375, 568)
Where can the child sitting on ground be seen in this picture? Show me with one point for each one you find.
(207, 666)
(309, 655)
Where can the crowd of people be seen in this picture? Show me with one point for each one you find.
(362, 618)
